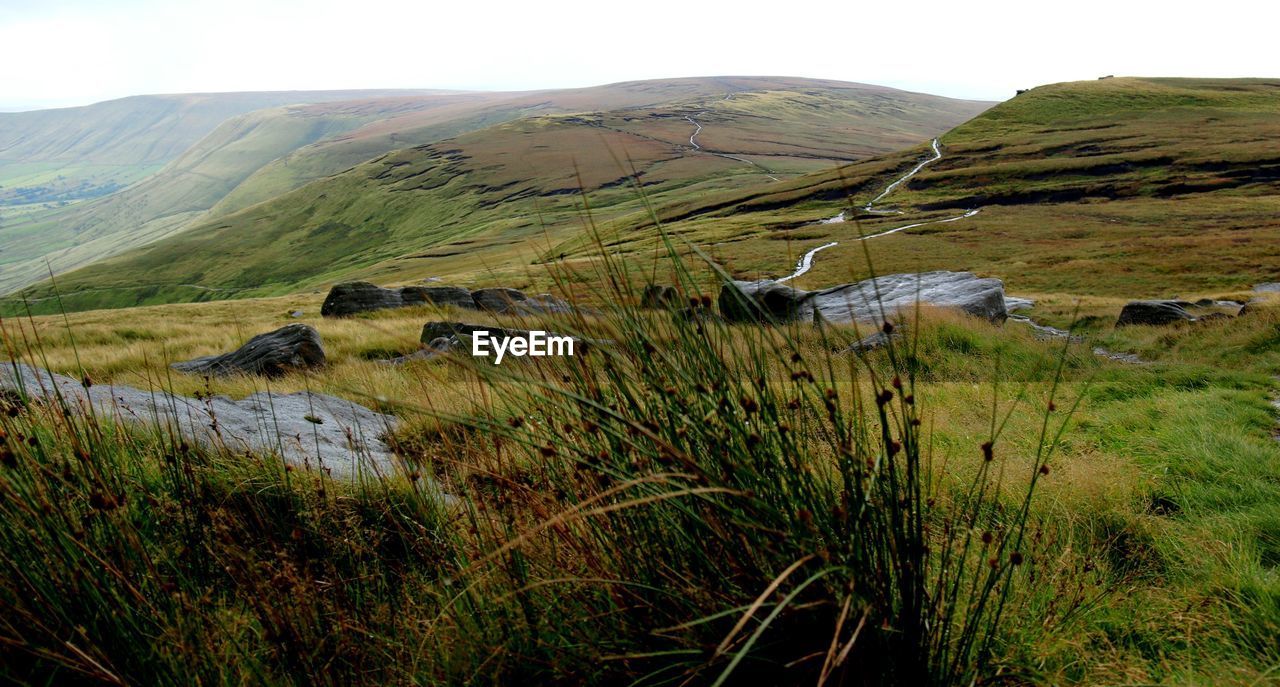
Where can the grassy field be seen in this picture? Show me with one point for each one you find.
(698, 502)
(582, 548)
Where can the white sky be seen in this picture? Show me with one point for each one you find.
(69, 52)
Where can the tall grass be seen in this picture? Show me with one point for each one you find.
(693, 502)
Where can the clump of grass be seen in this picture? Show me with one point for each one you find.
(706, 503)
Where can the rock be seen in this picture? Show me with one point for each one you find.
(455, 332)
(355, 297)
(657, 296)
(1153, 313)
(292, 347)
(498, 299)
(455, 296)
(867, 301)
(305, 429)
(359, 296)
(743, 301)
(437, 347)
(1013, 303)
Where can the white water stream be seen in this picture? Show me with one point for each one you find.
(805, 263)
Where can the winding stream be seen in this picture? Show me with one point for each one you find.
(726, 156)
(805, 263)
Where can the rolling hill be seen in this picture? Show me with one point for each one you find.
(74, 153)
(1125, 187)
(493, 197)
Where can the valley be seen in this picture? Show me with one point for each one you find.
(1050, 459)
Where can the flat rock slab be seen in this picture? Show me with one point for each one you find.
(306, 429)
(292, 347)
(871, 300)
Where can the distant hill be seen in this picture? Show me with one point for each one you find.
(494, 195)
(81, 152)
(1130, 187)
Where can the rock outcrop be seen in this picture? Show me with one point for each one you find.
(306, 429)
(352, 298)
(289, 348)
(355, 297)
(1154, 313)
(871, 300)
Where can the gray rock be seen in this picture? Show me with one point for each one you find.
(871, 300)
(498, 299)
(355, 297)
(1153, 313)
(305, 429)
(441, 296)
(437, 347)
(1013, 303)
(750, 301)
(432, 331)
(292, 347)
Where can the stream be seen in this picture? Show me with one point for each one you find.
(805, 263)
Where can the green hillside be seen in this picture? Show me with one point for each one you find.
(67, 154)
(494, 198)
(1126, 187)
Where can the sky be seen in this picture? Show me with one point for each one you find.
(56, 53)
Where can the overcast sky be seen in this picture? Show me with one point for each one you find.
(71, 52)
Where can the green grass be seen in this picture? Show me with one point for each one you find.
(1149, 557)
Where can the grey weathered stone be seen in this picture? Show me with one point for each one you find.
(1153, 313)
(292, 347)
(749, 301)
(498, 299)
(871, 300)
(455, 296)
(355, 297)
(306, 429)
(1014, 303)
(359, 296)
